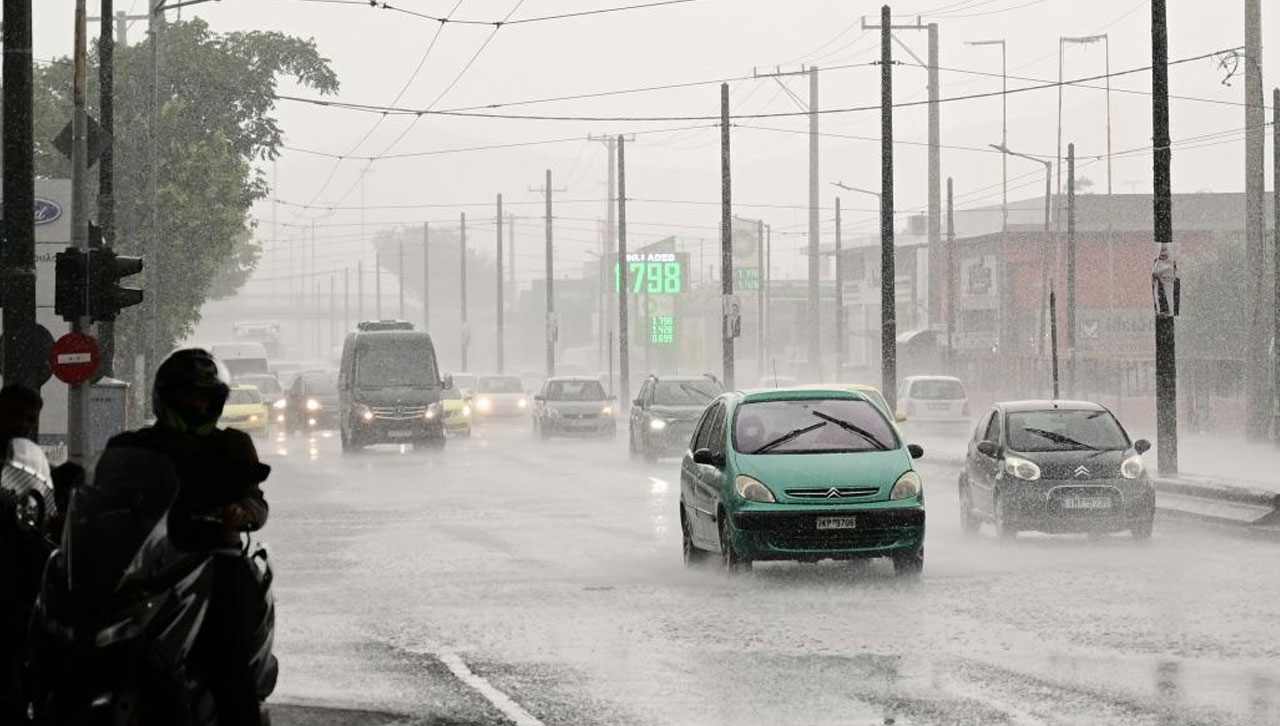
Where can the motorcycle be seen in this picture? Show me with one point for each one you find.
(120, 607)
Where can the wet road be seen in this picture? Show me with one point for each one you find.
(508, 580)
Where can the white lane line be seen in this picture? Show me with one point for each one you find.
(1016, 716)
(500, 700)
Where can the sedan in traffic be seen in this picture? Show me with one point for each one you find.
(569, 405)
(1056, 467)
(802, 475)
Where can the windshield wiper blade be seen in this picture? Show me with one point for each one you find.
(853, 429)
(790, 436)
(1058, 438)
(688, 387)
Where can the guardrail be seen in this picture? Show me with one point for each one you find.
(1237, 505)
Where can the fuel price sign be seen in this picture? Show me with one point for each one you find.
(653, 273)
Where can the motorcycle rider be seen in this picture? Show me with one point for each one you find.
(218, 497)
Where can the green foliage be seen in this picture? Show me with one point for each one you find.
(217, 95)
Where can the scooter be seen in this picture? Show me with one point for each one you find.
(120, 608)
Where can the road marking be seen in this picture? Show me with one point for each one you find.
(500, 700)
(1016, 716)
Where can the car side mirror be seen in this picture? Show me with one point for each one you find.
(986, 448)
(638, 403)
(705, 457)
(448, 380)
(916, 450)
(900, 417)
(1142, 446)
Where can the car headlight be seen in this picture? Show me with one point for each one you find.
(657, 424)
(466, 412)
(907, 486)
(282, 404)
(484, 404)
(313, 404)
(432, 411)
(364, 412)
(522, 403)
(1133, 467)
(752, 490)
(253, 418)
(606, 411)
(1020, 468)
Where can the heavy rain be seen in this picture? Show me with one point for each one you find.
(615, 362)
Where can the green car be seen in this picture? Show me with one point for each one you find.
(801, 475)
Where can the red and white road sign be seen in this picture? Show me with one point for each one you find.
(74, 358)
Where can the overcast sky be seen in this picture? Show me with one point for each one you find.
(376, 53)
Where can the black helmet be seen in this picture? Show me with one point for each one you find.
(188, 369)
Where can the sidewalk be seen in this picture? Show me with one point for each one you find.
(1226, 461)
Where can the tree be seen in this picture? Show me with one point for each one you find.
(218, 92)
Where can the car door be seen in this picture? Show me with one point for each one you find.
(689, 472)
(710, 479)
(638, 412)
(985, 468)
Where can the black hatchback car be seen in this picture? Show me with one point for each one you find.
(1056, 467)
(665, 412)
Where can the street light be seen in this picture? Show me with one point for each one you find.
(1044, 257)
(1063, 42)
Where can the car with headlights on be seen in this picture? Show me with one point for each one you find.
(457, 412)
(499, 396)
(802, 475)
(1055, 467)
(664, 412)
(266, 383)
(311, 403)
(569, 405)
(245, 410)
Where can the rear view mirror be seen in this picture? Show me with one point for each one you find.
(900, 417)
(705, 457)
(916, 450)
(986, 448)
(1142, 446)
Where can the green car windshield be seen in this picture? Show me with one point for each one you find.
(811, 426)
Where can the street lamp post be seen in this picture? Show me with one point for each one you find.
(1044, 256)
(1063, 42)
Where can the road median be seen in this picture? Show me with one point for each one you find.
(1235, 504)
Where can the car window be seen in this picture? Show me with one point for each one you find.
(993, 429)
(498, 384)
(241, 396)
(396, 362)
(321, 385)
(575, 391)
(812, 425)
(685, 393)
(980, 431)
(265, 384)
(715, 441)
(1060, 430)
(934, 389)
(702, 436)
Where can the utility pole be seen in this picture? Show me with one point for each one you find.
(760, 333)
(78, 394)
(952, 297)
(106, 166)
(426, 275)
(346, 300)
(377, 283)
(462, 305)
(552, 325)
(726, 238)
(1255, 223)
(1275, 254)
(624, 336)
(935, 145)
(333, 311)
(1071, 269)
(888, 293)
(1053, 338)
(1162, 202)
(399, 272)
(18, 246)
(155, 273)
(840, 325)
(500, 312)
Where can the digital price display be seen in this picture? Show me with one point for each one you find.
(653, 273)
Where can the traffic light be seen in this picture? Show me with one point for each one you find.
(70, 280)
(106, 296)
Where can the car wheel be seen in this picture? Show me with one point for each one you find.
(1004, 526)
(909, 564)
(1143, 530)
(969, 522)
(730, 559)
(692, 555)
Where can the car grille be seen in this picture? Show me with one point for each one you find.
(851, 539)
(399, 413)
(832, 492)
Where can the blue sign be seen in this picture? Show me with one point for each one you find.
(47, 211)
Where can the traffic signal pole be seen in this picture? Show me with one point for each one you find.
(624, 335)
(78, 394)
(18, 247)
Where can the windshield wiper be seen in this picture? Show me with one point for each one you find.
(790, 436)
(688, 387)
(853, 429)
(1058, 438)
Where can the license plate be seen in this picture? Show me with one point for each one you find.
(1086, 503)
(400, 434)
(826, 523)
